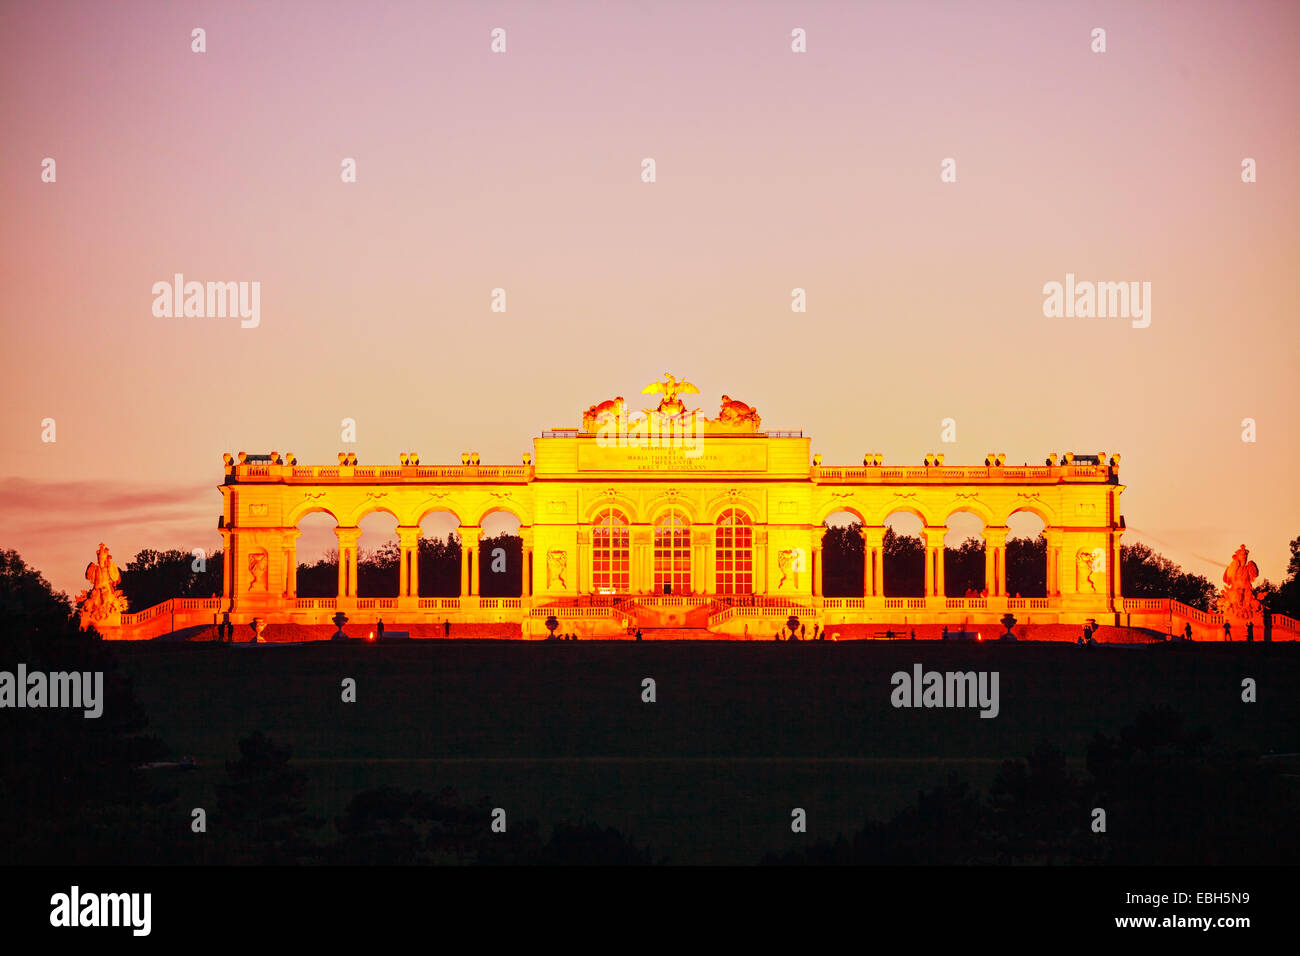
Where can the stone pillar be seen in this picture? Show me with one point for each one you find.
(817, 569)
(933, 540)
(760, 560)
(469, 569)
(526, 572)
(583, 577)
(234, 555)
(227, 564)
(995, 560)
(709, 562)
(873, 563)
(1053, 582)
(642, 543)
(698, 569)
(291, 536)
(409, 541)
(348, 538)
(1116, 589)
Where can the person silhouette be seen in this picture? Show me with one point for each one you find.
(1187, 632)
(1227, 631)
(379, 629)
(1250, 631)
(446, 627)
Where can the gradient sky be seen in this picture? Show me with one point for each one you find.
(522, 171)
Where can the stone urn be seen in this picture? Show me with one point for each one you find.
(339, 620)
(1008, 621)
(258, 625)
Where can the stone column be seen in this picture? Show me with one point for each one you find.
(469, 569)
(1116, 589)
(817, 567)
(642, 556)
(873, 548)
(235, 557)
(348, 538)
(708, 550)
(291, 536)
(932, 537)
(227, 564)
(409, 540)
(1052, 585)
(526, 572)
(995, 560)
(760, 560)
(583, 577)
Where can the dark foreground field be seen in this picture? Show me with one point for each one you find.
(740, 734)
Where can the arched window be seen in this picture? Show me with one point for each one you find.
(672, 553)
(610, 553)
(735, 553)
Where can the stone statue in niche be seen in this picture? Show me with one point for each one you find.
(556, 560)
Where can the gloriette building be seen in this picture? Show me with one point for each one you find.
(666, 518)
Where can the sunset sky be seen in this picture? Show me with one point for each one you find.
(522, 170)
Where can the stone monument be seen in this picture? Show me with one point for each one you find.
(103, 602)
(1239, 600)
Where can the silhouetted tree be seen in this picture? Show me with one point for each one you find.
(842, 558)
(590, 845)
(320, 580)
(69, 790)
(508, 581)
(1285, 598)
(1169, 797)
(1027, 566)
(261, 805)
(379, 571)
(903, 565)
(440, 566)
(152, 577)
(963, 568)
(1146, 573)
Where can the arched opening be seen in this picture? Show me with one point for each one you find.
(963, 556)
(317, 556)
(611, 553)
(439, 555)
(843, 554)
(734, 552)
(672, 560)
(379, 556)
(903, 556)
(501, 556)
(1026, 555)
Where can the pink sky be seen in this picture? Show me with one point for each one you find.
(521, 170)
